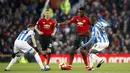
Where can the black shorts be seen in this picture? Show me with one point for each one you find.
(80, 39)
(46, 42)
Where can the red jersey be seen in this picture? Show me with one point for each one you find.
(46, 26)
(83, 24)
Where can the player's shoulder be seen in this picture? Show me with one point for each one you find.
(53, 20)
(76, 17)
(94, 28)
(31, 31)
(86, 17)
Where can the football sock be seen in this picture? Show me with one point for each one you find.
(85, 59)
(91, 57)
(48, 59)
(71, 59)
(47, 66)
(12, 62)
(38, 59)
(90, 61)
(45, 56)
(96, 57)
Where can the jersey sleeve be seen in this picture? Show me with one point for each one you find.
(39, 22)
(73, 20)
(93, 34)
(54, 23)
(89, 21)
(92, 39)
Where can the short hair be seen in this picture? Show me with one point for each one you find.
(30, 25)
(47, 10)
(82, 8)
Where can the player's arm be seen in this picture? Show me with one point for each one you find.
(54, 32)
(33, 41)
(38, 31)
(55, 29)
(68, 22)
(90, 41)
(101, 19)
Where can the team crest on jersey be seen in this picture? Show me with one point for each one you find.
(80, 24)
(77, 19)
(84, 21)
(43, 22)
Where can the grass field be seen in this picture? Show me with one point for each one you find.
(77, 68)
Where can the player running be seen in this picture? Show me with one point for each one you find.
(21, 46)
(47, 30)
(83, 24)
(98, 34)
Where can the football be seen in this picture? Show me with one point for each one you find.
(61, 65)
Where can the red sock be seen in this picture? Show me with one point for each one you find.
(71, 59)
(48, 59)
(85, 60)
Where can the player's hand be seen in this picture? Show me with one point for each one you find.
(36, 49)
(53, 34)
(40, 33)
(58, 24)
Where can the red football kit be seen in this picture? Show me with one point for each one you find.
(46, 26)
(83, 24)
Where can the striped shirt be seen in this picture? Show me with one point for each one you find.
(25, 35)
(100, 35)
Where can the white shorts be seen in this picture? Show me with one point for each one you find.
(22, 46)
(100, 46)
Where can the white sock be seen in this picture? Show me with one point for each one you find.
(90, 61)
(95, 57)
(12, 62)
(47, 66)
(92, 57)
(39, 61)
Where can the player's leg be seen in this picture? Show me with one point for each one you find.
(92, 56)
(84, 51)
(84, 56)
(42, 41)
(49, 47)
(92, 53)
(72, 52)
(15, 57)
(37, 57)
(102, 46)
(74, 47)
(28, 49)
(71, 57)
(46, 51)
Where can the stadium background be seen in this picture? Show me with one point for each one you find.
(16, 14)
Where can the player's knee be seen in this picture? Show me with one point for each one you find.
(44, 52)
(83, 53)
(13, 55)
(93, 51)
(48, 51)
(72, 52)
(33, 52)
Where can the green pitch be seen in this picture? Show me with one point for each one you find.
(77, 68)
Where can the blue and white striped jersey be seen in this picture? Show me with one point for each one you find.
(99, 34)
(25, 35)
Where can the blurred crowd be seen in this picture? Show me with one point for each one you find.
(16, 14)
